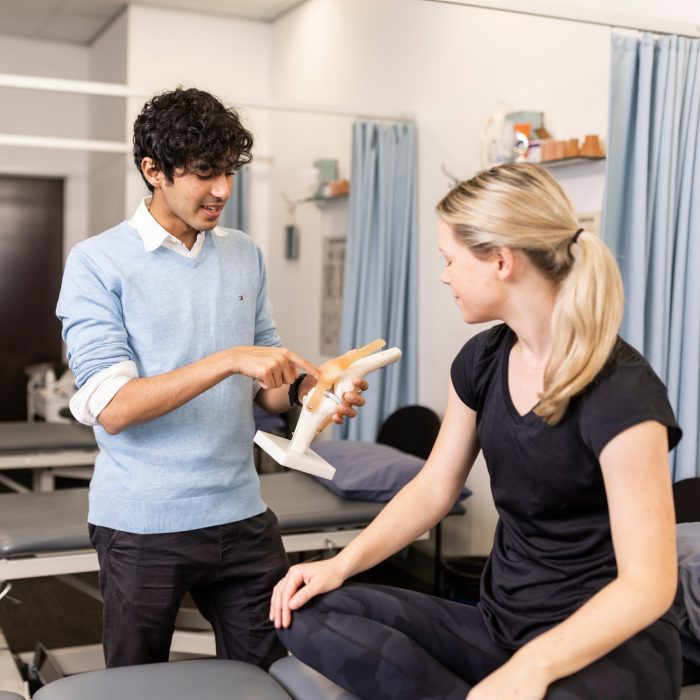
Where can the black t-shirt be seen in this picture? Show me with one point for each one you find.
(552, 549)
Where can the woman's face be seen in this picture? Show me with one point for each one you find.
(473, 281)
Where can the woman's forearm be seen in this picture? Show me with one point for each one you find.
(426, 499)
(413, 511)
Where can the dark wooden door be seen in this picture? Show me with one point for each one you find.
(31, 263)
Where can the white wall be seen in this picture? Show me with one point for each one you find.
(449, 66)
(40, 113)
(107, 117)
(230, 58)
(296, 285)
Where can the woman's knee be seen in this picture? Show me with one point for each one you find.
(303, 628)
(313, 625)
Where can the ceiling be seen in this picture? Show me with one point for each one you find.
(81, 21)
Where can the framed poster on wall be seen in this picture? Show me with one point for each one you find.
(332, 295)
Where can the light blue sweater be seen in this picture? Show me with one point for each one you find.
(192, 467)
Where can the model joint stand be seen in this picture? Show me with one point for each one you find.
(319, 405)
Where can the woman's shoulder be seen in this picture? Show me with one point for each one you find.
(473, 367)
(487, 343)
(626, 366)
(625, 392)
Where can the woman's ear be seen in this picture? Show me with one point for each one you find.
(505, 262)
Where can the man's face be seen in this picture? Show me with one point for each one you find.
(192, 202)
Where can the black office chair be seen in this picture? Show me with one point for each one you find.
(414, 429)
(411, 429)
(686, 499)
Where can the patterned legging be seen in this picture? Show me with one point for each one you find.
(388, 643)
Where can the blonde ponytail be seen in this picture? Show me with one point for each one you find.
(521, 206)
(585, 321)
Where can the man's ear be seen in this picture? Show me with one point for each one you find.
(152, 173)
(505, 262)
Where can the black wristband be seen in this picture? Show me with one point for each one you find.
(294, 390)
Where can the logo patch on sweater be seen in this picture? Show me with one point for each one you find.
(240, 297)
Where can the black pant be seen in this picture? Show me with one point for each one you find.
(229, 570)
(385, 643)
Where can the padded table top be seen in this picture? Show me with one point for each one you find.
(43, 522)
(40, 522)
(214, 679)
(301, 503)
(54, 521)
(44, 437)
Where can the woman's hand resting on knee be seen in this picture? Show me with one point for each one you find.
(303, 582)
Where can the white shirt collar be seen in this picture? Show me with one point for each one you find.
(154, 235)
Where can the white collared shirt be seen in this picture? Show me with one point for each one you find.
(87, 403)
(154, 235)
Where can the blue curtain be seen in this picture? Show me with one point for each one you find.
(380, 277)
(652, 215)
(235, 213)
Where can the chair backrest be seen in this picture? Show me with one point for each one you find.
(412, 429)
(686, 498)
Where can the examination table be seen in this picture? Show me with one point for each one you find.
(48, 449)
(198, 679)
(44, 533)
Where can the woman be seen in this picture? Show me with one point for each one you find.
(575, 428)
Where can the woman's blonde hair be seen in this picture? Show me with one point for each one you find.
(521, 206)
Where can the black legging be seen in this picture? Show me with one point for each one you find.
(385, 643)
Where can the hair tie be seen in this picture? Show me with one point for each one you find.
(573, 240)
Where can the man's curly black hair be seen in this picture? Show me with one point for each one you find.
(189, 129)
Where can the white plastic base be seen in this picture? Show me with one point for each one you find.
(278, 448)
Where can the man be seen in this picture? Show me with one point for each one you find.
(171, 337)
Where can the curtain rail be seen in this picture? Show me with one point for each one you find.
(614, 20)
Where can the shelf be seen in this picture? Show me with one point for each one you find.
(553, 164)
(575, 160)
(323, 200)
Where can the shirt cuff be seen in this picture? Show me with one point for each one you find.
(87, 404)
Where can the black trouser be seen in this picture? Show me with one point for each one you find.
(229, 570)
(385, 643)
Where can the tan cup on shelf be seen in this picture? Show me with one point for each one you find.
(546, 150)
(336, 188)
(591, 147)
(572, 149)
